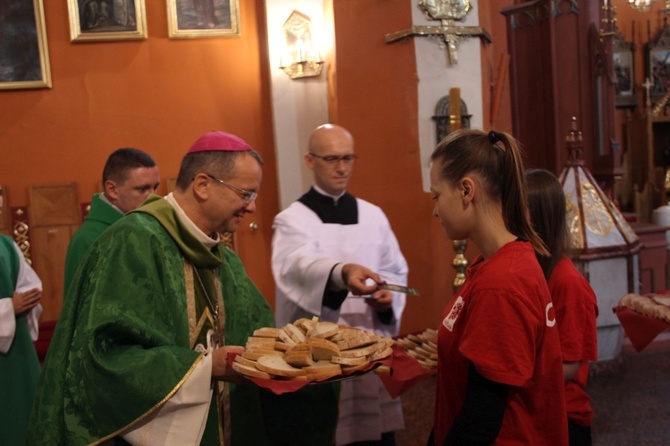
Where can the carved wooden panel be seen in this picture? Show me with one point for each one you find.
(54, 204)
(55, 215)
(49, 249)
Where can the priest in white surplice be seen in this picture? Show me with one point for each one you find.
(317, 240)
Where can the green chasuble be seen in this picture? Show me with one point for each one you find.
(122, 345)
(19, 366)
(100, 217)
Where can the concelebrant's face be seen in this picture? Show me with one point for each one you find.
(131, 193)
(229, 205)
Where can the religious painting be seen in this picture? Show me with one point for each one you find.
(24, 58)
(96, 20)
(658, 65)
(624, 70)
(189, 19)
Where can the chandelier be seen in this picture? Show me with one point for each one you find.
(642, 5)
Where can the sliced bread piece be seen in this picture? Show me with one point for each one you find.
(250, 371)
(276, 365)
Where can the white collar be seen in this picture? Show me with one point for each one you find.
(203, 238)
(323, 192)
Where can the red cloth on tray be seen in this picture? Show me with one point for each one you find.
(641, 329)
(405, 372)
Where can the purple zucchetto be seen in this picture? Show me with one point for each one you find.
(219, 141)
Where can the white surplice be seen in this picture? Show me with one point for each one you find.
(27, 280)
(304, 251)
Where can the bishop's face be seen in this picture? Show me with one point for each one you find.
(229, 204)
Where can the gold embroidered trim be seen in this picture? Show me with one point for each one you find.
(190, 303)
(156, 407)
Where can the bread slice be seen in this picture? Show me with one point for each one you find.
(356, 352)
(254, 354)
(267, 332)
(285, 337)
(295, 333)
(255, 341)
(323, 370)
(347, 370)
(250, 371)
(244, 361)
(323, 349)
(277, 366)
(299, 359)
(324, 330)
(349, 361)
(381, 353)
(661, 299)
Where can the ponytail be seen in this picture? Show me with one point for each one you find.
(496, 158)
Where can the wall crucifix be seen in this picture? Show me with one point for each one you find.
(447, 12)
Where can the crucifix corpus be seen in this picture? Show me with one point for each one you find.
(447, 12)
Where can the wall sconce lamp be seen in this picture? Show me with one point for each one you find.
(642, 5)
(301, 57)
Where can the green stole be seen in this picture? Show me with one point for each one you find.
(19, 367)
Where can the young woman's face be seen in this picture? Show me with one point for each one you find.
(449, 205)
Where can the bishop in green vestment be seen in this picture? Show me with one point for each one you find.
(139, 353)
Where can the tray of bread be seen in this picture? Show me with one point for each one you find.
(309, 350)
(656, 306)
(643, 317)
(421, 346)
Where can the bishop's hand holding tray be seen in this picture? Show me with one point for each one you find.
(309, 350)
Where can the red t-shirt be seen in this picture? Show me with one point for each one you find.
(576, 311)
(502, 320)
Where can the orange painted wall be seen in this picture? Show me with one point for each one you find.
(157, 95)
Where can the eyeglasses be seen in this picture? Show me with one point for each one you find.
(334, 159)
(247, 196)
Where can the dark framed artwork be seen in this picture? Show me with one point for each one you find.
(189, 19)
(99, 20)
(624, 69)
(658, 65)
(24, 56)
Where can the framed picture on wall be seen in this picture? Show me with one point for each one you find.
(24, 58)
(97, 20)
(189, 19)
(624, 69)
(658, 65)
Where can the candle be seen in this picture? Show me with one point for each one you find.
(454, 109)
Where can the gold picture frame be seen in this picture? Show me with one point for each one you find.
(188, 19)
(24, 56)
(104, 20)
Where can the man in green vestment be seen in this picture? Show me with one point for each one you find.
(20, 309)
(129, 176)
(140, 349)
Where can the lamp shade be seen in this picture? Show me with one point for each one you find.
(604, 247)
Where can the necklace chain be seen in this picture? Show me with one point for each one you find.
(214, 308)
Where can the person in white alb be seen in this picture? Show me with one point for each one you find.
(319, 243)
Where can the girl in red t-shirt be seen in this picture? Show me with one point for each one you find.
(574, 300)
(499, 375)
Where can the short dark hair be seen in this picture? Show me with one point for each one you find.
(122, 161)
(218, 163)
